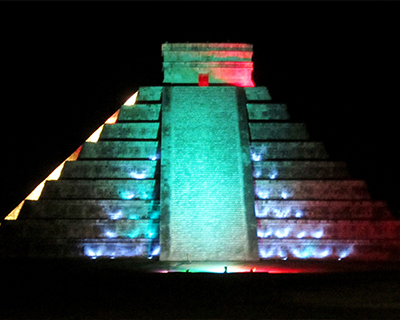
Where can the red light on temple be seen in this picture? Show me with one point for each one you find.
(203, 80)
(237, 76)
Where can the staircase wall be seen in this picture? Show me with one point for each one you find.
(307, 206)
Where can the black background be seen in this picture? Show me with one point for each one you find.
(65, 68)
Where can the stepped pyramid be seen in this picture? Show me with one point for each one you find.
(204, 168)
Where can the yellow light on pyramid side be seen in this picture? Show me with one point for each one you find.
(35, 194)
(132, 100)
(95, 135)
(55, 175)
(13, 215)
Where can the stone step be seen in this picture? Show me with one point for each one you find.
(300, 170)
(119, 150)
(139, 248)
(206, 56)
(80, 229)
(72, 248)
(315, 209)
(257, 94)
(39, 248)
(140, 112)
(273, 150)
(311, 189)
(233, 73)
(149, 94)
(278, 131)
(373, 250)
(109, 169)
(126, 131)
(267, 111)
(328, 229)
(90, 209)
(99, 189)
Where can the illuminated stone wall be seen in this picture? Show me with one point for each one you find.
(307, 206)
(206, 167)
(90, 209)
(349, 249)
(222, 63)
(327, 229)
(207, 199)
(84, 229)
(105, 204)
(300, 170)
(317, 209)
(118, 169)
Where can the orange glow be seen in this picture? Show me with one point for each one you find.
(95, 135)
(74, 156)
(132, 100)
(114, 118)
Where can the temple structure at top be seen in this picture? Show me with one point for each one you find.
(205, 167)
(208, 64)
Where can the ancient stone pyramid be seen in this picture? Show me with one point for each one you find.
(204, 168)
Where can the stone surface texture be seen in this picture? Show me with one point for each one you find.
(206, 167)
(223, 63)
(207, 207)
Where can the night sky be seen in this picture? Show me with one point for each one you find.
(64, 72)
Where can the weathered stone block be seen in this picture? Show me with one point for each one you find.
(329, 249)
(300, 170)
(119, 150)
(109, 169)
(278, 131)
(40, 247)
(180, 52)
(267, 111)
(149, 94)
(126, 131)
(288, 150)
(317, 209)
(116, 248)
(207, 56)
(99, 189)
(72, 248)
(311, 190)
(232, 73)
(90, 209)
(325, 229)
(139, 112)
(257, 94)
(84, 229)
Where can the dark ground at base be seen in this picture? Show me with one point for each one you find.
(73, 289)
